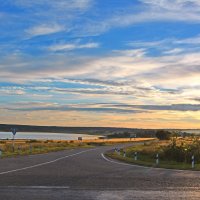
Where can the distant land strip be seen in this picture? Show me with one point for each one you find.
(82, 130)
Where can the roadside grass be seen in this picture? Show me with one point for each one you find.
(146, 156)
(28, 147)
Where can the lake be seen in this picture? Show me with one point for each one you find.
(46, 136)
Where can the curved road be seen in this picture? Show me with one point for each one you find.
(86, 174)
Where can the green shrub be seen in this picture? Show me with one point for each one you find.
(95, 144)
(32, 141)
(183, 152)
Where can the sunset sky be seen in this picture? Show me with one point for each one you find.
(116, 63)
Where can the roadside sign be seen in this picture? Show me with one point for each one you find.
(14, 131)
(80, 138)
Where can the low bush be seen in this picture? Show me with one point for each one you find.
(95, 144)
(181, 152)
(32, 141)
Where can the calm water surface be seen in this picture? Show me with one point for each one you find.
(46, 136)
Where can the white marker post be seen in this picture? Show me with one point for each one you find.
(0, 153)
(118, 151)
(14, 131)
(124, 154)
(157, 159)
(193, 162)
(30, 148)
(135, 156)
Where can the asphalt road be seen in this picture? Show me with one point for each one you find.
(85, 174)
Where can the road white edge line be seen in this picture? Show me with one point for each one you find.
(115, 162)
(144, 167)
(44, 163)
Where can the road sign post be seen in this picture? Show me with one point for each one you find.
(14, 131)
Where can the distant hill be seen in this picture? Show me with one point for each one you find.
(59, 129)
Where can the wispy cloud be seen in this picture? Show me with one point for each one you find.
(44, 29)
(173, 5)
(174, 51)
(174, 107)
(192, 41)
(12, 91)
(196, 99)
(61, 4)
(43, 17)
(115, 108)
(72, 46)
(121, 65)
(172, 46)
(78, 107)
(153, 11)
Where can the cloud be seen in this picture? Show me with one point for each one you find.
(41, 17)
(67, 15)
(147, 44)
(191, 41)
(173, 5)
(174, 71)
(169, 45)
(196, 99)
(103, 91)
(121, 72)
(104, 107)
(174, 51)
(61, 4)
(159, 75)
(152, 11)
(12, 91)
(98, 82)
(79, 107)
(173, 107)
(72, 46)
(44, 29)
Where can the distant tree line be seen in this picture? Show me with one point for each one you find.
(128, 134)
(163, 135)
